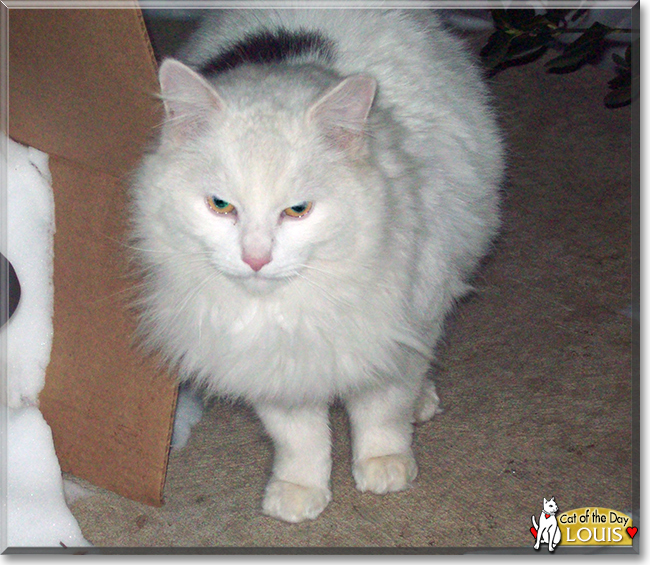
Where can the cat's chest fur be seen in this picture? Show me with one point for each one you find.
(300, 340)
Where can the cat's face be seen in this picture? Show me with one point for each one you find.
(550, 506)
(259, 215)
(257, 193)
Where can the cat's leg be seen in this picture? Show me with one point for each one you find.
(428, 403)
(554, 536)
(382, 428)
(299, 486)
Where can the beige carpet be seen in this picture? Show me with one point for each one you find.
(534, 372)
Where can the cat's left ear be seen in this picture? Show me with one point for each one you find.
(343, 111)
(189, 101)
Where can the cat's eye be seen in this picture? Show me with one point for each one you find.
(220, 206)
(299, 210)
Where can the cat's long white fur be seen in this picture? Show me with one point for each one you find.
(352, 298)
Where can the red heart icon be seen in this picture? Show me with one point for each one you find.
(534, 532)
(632, 532)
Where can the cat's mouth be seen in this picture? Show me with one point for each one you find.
(261, 283)
(264, 280)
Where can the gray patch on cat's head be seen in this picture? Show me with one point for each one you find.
(280, 87)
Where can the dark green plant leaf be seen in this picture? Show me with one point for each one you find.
(524, 20)
(501, 20)
(578, 14)
(527, 22)
(557, 16)
(621, 79)
(586, 47)
(522, 59)
(634, 50)
(620, 61)
(495, 50)
(625, 86)
(522, 36)
(523, 44)
(504, 49)
(619, 97)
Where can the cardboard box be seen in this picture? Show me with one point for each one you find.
(81, 88)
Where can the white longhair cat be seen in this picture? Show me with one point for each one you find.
(325, 183)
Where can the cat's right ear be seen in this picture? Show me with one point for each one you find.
(343, 111)
(189, 101)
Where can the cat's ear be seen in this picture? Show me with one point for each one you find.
(189, 101)
(343, 111)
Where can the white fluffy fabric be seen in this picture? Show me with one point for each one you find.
(29, 247)
(36, 508)
(37, 515)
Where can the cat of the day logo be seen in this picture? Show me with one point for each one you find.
(593, 526)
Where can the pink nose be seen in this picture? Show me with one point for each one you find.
(256, 263)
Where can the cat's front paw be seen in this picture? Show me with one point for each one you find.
(388, 473)
(294, 503)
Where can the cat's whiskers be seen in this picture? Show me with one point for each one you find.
(142, 268)
(195, 258)
(130, 291)
(127, 245)
(336, 300)
(338, 278)
(188, 258)
(212, 276)
(171, 255)
(134, 288)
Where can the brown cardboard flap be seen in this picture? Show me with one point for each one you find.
(81, 86)
(109, 408)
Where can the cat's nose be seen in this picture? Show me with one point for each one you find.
(256, 262)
